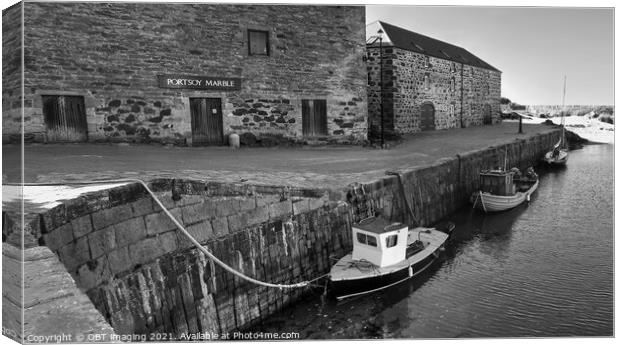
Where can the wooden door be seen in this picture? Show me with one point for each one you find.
(487, 119)
(314, 117)
(65, 118)
(427, 117)
(207, 126)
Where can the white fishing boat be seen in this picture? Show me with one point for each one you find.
(502, 189)
(559, 153)
(385, 254)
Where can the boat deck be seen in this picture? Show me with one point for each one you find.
(348, 269)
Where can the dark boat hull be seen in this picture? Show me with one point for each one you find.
(342, 289)
(558, 160)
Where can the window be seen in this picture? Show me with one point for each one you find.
(427, 81)
(366, 239)
(427, 61)
(418, 47)
(452, 84)
(371, 240)
(258, 42)
(452, 67)
(391, 241)
(361, 238)
(452, 110)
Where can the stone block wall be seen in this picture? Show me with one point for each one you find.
(481, 93)
(145, 276)
(11, 71)
(459, 93)
(10, 228)
(443, 90)
(431, 194)
(378, 97)
(111, 55)
(435, 191)
(280, 116)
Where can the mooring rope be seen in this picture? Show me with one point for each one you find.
(183, 230)
(476, 200)
(481, 200)
(404, 195)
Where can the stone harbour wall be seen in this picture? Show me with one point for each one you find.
(111, 54)
(435, 191)
(145, 276)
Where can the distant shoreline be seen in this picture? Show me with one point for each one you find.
(591, 129)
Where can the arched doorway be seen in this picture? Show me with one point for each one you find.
(487, 119)
(427, 117)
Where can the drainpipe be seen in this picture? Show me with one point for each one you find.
(381, 82)
(462, 69)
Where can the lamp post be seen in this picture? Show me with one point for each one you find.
(380, 32)
(372, 41)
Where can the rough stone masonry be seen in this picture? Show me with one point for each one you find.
(461, 91)
(109, 56)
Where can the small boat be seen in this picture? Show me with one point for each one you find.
(385, 254)
(559, 154)
(502, 189)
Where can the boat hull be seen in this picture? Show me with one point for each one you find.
(561, 159)
(350, 278)
(496, 203)
(342, 289)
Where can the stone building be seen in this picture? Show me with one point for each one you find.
(183, 73)
(427, 84)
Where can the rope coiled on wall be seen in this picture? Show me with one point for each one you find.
(183, 230)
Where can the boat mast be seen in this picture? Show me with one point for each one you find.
(562, 120)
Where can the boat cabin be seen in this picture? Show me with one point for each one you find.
(379, 241)
(498, 182)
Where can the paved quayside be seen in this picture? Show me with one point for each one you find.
(329, 166)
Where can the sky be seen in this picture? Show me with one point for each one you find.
(534, 47)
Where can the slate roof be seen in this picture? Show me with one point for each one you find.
(412, 41)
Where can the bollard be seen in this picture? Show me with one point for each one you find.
(233, 140)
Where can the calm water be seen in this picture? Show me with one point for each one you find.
(543, 269)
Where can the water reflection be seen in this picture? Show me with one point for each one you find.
(541, 269)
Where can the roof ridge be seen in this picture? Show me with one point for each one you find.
(426, 36)
(416, 42)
